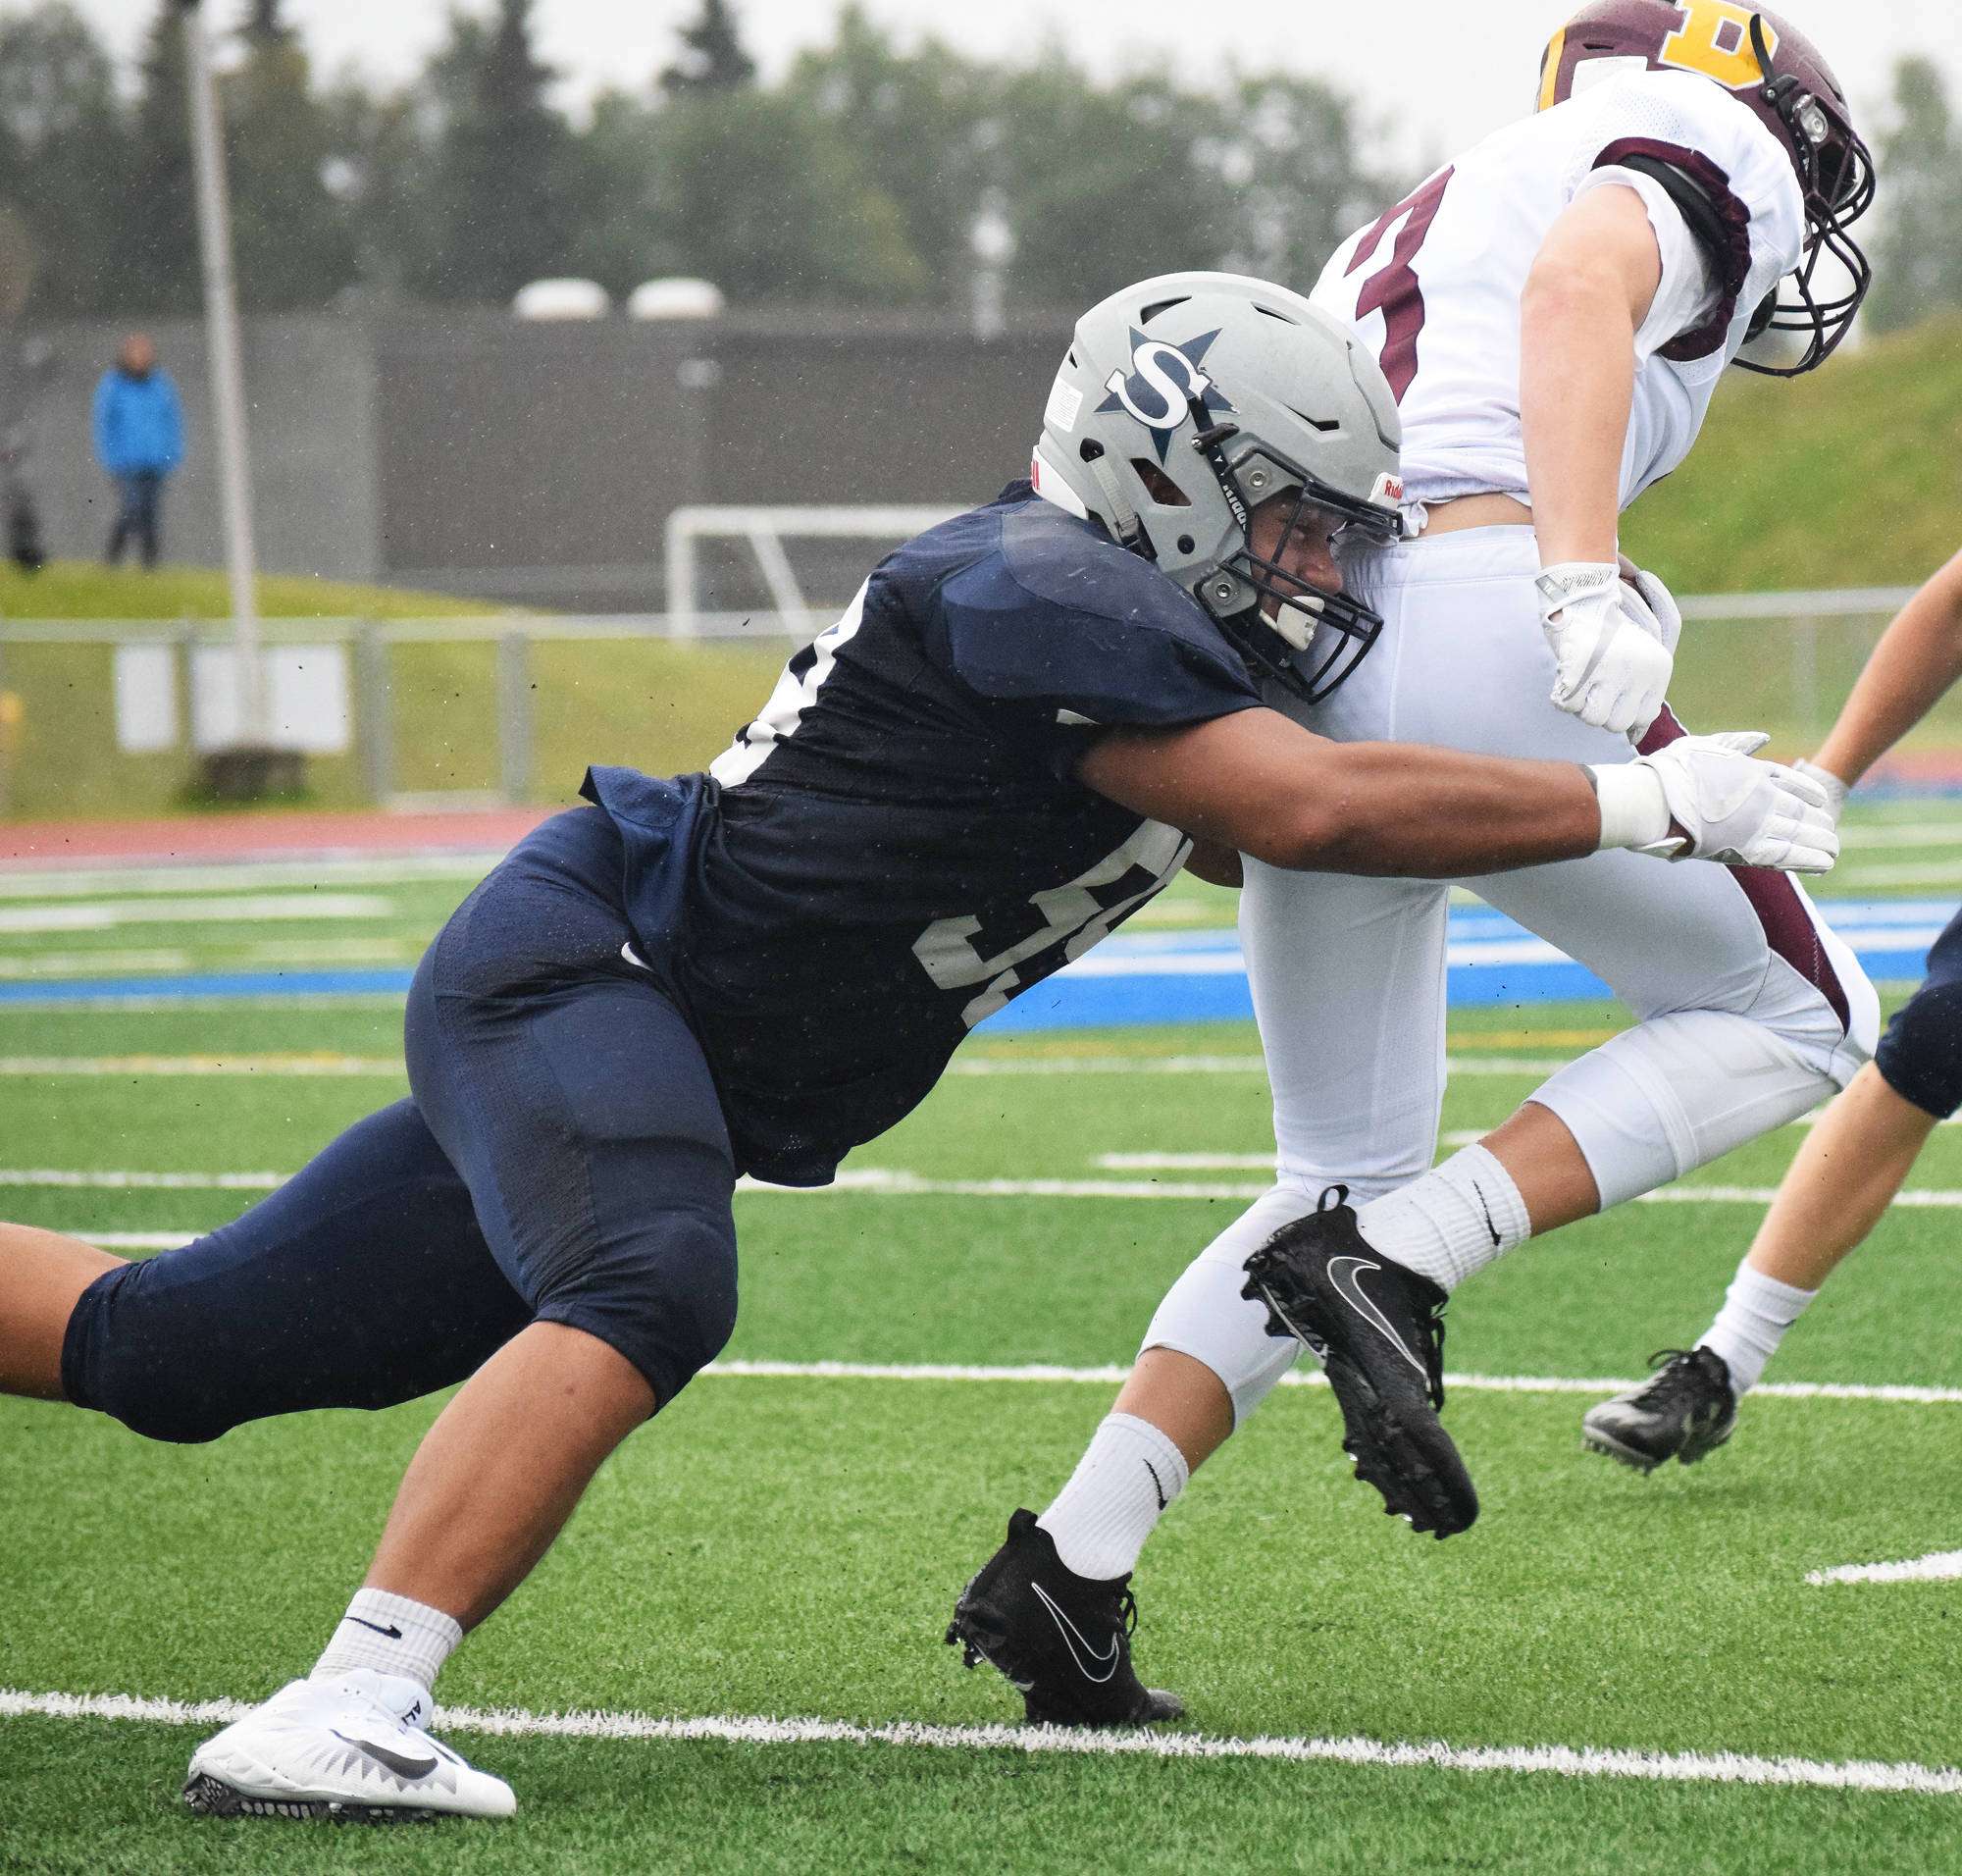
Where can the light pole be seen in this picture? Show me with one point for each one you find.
(242, 769)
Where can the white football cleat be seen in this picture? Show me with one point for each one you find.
(351, 1749)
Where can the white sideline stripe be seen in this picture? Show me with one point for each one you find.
(136, 1241)
(147, 1181)
(1567, 1761)
(1940, 1567)
(302, 1065)
(1111, 1376)
(1216, 1065)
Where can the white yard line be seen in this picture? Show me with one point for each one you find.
(1214, 1064)
(1565, 1761)
(300, 1064)
(53, 882)
(144, 1182)
(1943, 1566)
(106, 914)
(1111, 1376)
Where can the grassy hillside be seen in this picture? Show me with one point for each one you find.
(83, 590)
(1849, 476)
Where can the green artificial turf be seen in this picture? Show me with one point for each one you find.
(792, 1546)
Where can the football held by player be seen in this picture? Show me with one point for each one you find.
(1553, 311)
(1010, 740)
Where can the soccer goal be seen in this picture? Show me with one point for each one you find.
(766, 530)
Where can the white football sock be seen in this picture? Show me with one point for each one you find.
(1127, 1476)
(391, 1635)
(1449, 1223)
(1757, 1311)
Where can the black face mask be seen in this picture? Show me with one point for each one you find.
(1837, 178)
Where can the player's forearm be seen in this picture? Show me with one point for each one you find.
(1919, 656)
(1398, 810)
(1576, 380)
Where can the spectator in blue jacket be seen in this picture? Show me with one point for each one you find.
(138, 440)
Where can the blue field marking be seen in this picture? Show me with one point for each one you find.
(237, 983)
(1200, 977)
(1142, 977)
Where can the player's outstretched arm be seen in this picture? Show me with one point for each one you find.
(1261, 784)
(1919, 656)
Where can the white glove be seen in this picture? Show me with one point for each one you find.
(1611, 662)
(1662, 605)
(1836, 791)
(1740, 812)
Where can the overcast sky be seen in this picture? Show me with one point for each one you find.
(1444, 71)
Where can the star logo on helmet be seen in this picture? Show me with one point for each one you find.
(1163, 382)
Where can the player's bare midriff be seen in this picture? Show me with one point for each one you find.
(1476, 511)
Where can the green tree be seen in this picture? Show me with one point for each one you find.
(1283, 167)
(158, 266)
(713, 58)
(291, 240)
(500, 155)
(62, 160)
(755, 192)
(1918, 259)
(921, 127)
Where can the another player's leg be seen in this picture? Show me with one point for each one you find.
(1839, 1185)
(1209, 1359)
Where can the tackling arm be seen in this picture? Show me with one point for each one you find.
(1261, 784)
(1258, 784)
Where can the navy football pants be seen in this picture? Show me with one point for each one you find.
(1920, 1055)
(563, 1159)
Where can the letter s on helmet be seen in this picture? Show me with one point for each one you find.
(1188, 400)
(1774, 68)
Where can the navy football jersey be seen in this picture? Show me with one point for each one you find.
(896, 845)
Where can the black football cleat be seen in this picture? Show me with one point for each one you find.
(1687, 1411)
(1377, 1330)
(1062, 1641)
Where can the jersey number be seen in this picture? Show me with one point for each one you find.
(1056, 924)
(1393, 289)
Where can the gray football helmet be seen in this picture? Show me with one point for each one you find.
(1188, 400)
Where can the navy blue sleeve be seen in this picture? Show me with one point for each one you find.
(1071, 634)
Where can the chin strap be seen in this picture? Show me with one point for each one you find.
(1130, 528)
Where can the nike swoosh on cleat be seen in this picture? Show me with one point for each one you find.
(391, 1632)
(1073, 1641)
(1342, 1272)
(397, 1763)
(1156, 1485)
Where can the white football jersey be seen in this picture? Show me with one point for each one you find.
(1433, 286)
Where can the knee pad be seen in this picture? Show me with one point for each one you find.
(1920, 1055)
(1676, 1092)
(662, 1294)
(1205, 1316)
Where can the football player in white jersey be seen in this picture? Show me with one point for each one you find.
(1553, 311)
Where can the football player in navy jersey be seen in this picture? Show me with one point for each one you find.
(1025, 723)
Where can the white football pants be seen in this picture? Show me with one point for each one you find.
(1750, 1011)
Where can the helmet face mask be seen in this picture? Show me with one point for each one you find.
(1224, 428)
(1780, 75)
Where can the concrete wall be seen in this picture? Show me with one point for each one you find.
(538, 463)
(310, 385)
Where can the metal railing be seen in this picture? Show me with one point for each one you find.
(370, 640)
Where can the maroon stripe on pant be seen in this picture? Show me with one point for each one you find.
(1781, 913)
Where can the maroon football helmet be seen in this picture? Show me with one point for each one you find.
(1775, 70)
